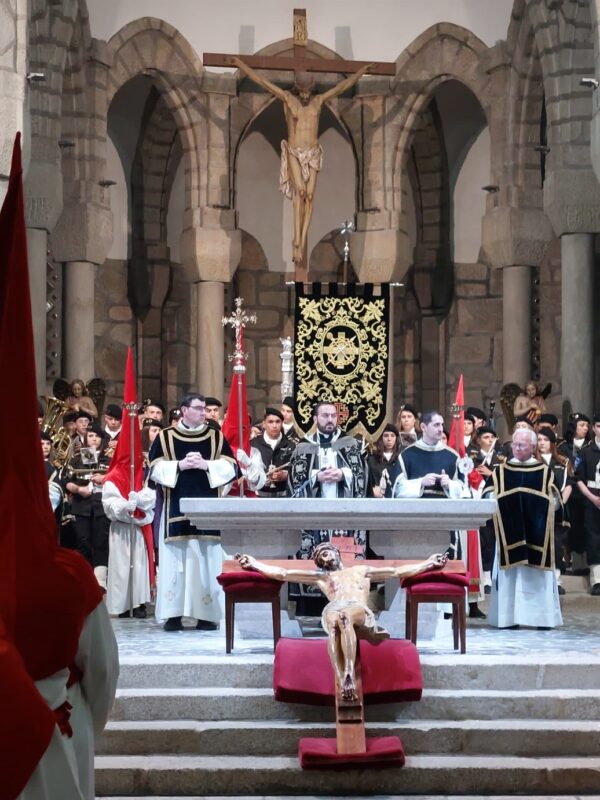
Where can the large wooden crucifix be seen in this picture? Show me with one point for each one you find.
(301, 154)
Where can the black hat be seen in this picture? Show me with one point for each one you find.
(411, 409)
(45, 437)
(213, 401)
(156, 404)
(148, 422)
(484, 429)
(550, 419)
(524, 418)
(288, 401)
(548, 433)
(95, 428)
(389, 428)
(273, 412)
(469, 418)
(596, 419)
(70, 416)
(472, 411)
(113, 410)
(81, 414)
(577, 416)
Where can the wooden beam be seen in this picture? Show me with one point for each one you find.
(302, 64)
(457, 567)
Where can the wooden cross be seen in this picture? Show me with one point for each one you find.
(299, 62)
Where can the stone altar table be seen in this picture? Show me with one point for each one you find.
(268, 528)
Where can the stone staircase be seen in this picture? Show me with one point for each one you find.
(487, 725)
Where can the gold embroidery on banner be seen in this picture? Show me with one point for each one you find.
(341, 354)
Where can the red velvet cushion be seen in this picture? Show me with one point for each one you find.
(437, 576)
(248, 584)
(302, 672)
(384, 751)
(436, 589)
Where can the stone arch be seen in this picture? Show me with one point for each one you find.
(442, 53)
(152, 47)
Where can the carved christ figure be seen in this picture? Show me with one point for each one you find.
(346, 617)
(301, 154)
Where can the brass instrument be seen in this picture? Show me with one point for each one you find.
(61, 441)
(86, 473)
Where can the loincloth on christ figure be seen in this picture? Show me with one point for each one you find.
(308, 158)
(369, 630)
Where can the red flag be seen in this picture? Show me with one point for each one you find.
(120, 465)
(231, 423)
(456, 440)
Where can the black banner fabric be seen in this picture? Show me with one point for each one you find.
(341, 355)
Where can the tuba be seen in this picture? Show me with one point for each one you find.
(61, 441)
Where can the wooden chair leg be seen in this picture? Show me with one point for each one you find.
(276, 611)
(455, 617)
(229, 623)
(462, 616)
(414, 611)
(407, 616)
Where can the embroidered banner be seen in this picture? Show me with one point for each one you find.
(341, 355)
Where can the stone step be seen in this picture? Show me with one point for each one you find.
(494, 737)
(438, 774)
(439, 671)
(224, 703)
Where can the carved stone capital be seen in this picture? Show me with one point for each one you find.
(83, 233)
(379, 256)
(210, 254)
(572, 200)
(515, 236)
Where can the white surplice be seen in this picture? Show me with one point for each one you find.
(119, 542)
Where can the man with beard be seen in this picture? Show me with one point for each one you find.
(327, 464)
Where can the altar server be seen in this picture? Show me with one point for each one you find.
(190, 459)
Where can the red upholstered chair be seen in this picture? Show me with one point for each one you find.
(245, 586)
(437, 587)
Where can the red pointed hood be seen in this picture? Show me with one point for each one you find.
(120, 466)
(41, 604)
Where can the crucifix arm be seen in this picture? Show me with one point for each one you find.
(253, 74)
(344, 85)
(435, 561)
(278, 573)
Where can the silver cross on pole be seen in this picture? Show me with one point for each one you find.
(346, 228)
(238, 321)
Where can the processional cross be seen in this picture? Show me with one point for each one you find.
(238, 321)
(302, 155)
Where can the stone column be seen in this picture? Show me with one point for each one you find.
(37, 243)
(516, 325)
(210, 340)
(78, 335)
(577, 332)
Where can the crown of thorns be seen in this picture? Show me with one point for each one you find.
(321, 548)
